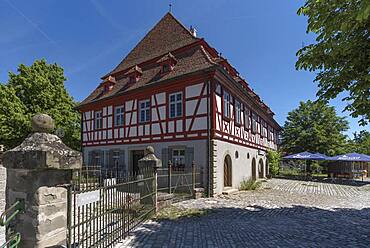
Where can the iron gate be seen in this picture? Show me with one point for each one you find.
(104, 206)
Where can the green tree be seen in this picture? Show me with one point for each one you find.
(274, 158)
(38, 88)
(360, 142)
(314, 127)
(340, 55)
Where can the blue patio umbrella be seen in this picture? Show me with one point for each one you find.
(351, 157)
(322, 155)
(306, 156)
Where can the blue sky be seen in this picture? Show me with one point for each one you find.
(89, 38)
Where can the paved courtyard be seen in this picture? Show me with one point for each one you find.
(284, 213)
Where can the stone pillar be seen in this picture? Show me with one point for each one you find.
(36, 169)
(151, 161)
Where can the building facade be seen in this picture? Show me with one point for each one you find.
(175, 92)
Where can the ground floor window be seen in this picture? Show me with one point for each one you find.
(178, 157)
(98, 160)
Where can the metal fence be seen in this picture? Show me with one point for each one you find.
(105, 205)
(179, 181)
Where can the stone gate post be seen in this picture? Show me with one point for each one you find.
(35, 171)
(151, 161)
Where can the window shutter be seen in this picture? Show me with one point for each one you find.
(122, 159)
(101, 153)
(90, 157)
(110, 159)
(189, 156)
(165, 157)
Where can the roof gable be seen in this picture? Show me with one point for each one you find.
(167, 35)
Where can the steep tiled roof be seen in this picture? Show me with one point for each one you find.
(167, 35)
(189, 61)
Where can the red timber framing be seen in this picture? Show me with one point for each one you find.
(191, 125)
(225, 128)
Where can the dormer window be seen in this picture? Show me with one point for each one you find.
(132, 79)
(167, 63)
(134, 74)
(165, 68)
(108, 84)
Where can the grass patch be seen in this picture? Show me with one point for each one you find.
(250, 184)
(176, 213)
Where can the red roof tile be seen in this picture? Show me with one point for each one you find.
(167, 35)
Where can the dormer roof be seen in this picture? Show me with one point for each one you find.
(135, 70)
(167, 58)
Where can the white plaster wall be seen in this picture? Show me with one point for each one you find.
(241, 166)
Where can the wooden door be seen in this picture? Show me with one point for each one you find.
(227, 172)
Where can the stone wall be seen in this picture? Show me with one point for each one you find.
(2, 194)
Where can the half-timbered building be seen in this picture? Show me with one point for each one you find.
(175, 92)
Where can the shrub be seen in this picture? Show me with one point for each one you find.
(250, 184)
(274, 158)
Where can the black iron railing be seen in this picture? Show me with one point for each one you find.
(104, 206)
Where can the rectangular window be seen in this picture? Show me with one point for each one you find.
(261, 127)
(254, 123)
(97, 160)
(144, 110)
(238, 112)
(226, 104)
(246, 118)
(176, 105)
(98, 119)
(118, 116)
(178, 157)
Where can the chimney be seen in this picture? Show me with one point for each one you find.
(193, 31)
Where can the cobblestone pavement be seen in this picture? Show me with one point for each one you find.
(284, 213)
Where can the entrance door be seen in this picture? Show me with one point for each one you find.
(227, 172)
(261, 169)
(254, 169)
(136, 156)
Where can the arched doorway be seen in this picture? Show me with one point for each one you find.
(267, 168)
(227, 172)
(260, 169)
(254, 169)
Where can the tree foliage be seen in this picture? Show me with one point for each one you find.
(274, 158)
(341, 53)
(314, 127)
(38, 88)
(360, 142)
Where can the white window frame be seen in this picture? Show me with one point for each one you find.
(97, 158)
(119, 116)
(176, 103)
(98, 122)
(226, 104)
(145, 110)
(246, 117)
(254, 123)
(178, 158)
(238, 112)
